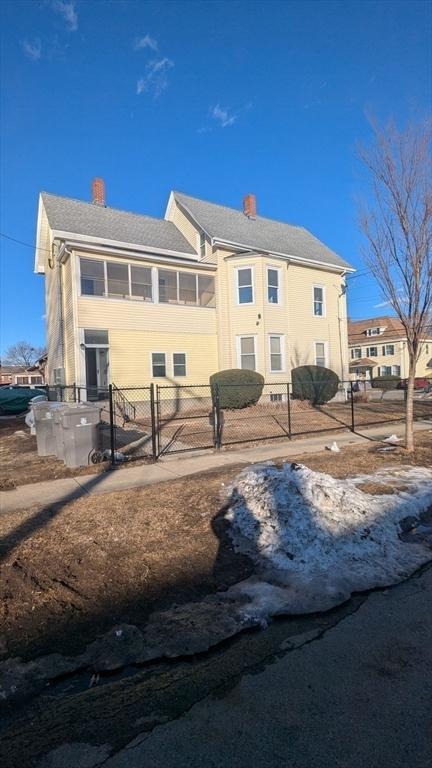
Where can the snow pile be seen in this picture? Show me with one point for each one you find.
(316, 539)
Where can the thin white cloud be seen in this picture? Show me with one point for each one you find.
(145, 42)
(67, 11)
(222, 116)
(32, 48)
(155, 79)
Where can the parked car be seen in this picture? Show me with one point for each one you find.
(419, 383)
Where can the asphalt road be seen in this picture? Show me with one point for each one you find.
(355, 695)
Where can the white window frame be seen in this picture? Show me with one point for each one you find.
(238, 348)
(237, 287)
(384, 350)
(324, 300)
(281, 337)
(202, 244)
(376, 331)
(368, 351)
(398, 373)
(353, 356)
(182, 376)
(326, 360)
(156, 352)
(279, 302)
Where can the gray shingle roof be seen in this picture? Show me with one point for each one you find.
(230, 225)
(80, 218)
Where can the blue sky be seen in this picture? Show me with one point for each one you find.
(213, 98)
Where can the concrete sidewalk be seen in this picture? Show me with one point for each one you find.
(176, 466)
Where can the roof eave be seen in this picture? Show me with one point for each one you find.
(289, 257)
(78, 238)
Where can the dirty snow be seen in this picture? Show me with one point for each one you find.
(316, 539)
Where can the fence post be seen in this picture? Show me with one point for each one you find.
(112, 427)
(153, 422)
(352, 408)
(216, 417)
(158, 422)
(289, 410)
(74, 392)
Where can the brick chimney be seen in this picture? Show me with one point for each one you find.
(98, 191)
(249, 206)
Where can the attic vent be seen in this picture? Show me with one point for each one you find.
(249, 206)
(98, 191)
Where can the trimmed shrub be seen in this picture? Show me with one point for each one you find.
(314, 383)
(386, 382)
(237, 387)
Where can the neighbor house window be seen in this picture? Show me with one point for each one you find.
(373, 331)
(22, 380)
(276, 353)
(385, 370)
(276, 397)
(158, 365)
(320, 354)
(395, 369)
(372, 352)
(356, 353)
(179, 364)
(273, 285)
(318, 301)
(118, 279)
(92, 277)
(141, 283)
(245, 285)
(388, 349)
(247, 356)
(36, 379)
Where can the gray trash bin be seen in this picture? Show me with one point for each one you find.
(44, 424)
(79, 427)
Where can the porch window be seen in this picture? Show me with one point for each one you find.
(318, 301)
(36, 379)
(272, 285)
(158, 365)
(320, 354)
(118, 279)
(247, 352)
(179, 364)
(141, 283)
(276, 361)
(22, 380)
(92, 277)
(167, 286)
(206, 291)
(245, 286)
(187, 288)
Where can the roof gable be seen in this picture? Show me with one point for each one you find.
(232, 226)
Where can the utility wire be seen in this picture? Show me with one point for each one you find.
(21, 242)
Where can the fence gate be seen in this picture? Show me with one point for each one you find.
(185, 418)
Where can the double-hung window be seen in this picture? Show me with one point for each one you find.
(179, 364)
(246, 352)
(320, 354)
(388, 349)
(276, 353)
(395, 369)
(385, 370)
(273, 288)
(356, 353)
(318, 301)
(92, 277)
(372, 352)
(202, 245)
(245, 294)
(158, 365)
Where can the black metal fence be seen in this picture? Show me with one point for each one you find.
(151, 421)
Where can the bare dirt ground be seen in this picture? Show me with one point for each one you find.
(70, 571)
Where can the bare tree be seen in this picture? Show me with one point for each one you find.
(397, 224)
(22, 354)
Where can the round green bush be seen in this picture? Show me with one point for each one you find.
(314, 383)
(236, 388)
(386, 382)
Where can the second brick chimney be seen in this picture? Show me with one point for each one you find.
(98, 191)
(249, 206)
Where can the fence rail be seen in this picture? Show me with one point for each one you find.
(151, 421)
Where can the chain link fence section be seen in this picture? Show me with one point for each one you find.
(185, 418)
(133, 430)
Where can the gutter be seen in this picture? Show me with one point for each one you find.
(77, 245)
(75, 237)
